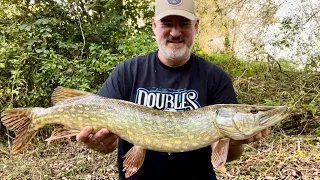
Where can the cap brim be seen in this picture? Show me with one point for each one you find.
(175, 12)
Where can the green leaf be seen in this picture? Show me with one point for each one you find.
(47, 29)
(39, 51)
(121, 47)
(31, 42)
(25, 27)
(46, 34)
(42, 21)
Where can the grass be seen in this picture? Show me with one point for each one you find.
(63, 160)
(275, 157)
(278, 157)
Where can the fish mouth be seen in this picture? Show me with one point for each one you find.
(278, 114)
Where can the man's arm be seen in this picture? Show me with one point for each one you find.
(236, 147)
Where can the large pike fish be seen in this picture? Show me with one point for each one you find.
(144, 127)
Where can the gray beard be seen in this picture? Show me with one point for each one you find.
(177, 54)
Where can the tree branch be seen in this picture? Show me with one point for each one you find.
(314, 14)
(85, 11)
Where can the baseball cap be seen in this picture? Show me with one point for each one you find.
(185, 8)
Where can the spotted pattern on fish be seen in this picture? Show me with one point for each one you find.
(154, 129)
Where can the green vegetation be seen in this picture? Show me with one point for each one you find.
(46, 44)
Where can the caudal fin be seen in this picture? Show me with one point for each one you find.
(18, 120)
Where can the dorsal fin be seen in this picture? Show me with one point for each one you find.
(64, 95)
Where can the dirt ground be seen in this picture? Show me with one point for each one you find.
(275, 157)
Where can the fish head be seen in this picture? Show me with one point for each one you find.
(240, 122)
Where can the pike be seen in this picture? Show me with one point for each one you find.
(145, 128)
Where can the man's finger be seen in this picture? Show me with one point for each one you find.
(257, 136)
(265, 132)
(249, 140)
(100, 135)
(110, 139)
(84, 135)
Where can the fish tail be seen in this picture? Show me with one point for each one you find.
(19, 120)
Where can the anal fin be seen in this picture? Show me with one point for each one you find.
(61, 132)
(219, 154)
(133, 160)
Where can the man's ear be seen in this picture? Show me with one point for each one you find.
(197, 25)
(153, 21)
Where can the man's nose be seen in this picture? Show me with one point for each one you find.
(175, 32)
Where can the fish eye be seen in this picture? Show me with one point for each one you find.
(254, 111)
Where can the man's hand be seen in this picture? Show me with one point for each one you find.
(256, 137)
(236, 147)
(102, 141)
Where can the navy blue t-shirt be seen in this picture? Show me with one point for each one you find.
(147, 81)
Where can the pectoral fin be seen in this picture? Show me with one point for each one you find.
(133, 160)
(219, 154)
(60, 132)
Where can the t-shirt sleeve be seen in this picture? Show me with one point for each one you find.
(222, 91)
(113, 86)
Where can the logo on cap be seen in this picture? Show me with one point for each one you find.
(174, 2)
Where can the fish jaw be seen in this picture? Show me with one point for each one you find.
(280, 112)
(240, 122)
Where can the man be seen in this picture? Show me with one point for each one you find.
(171, 78)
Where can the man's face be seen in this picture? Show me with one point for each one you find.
(175, 36)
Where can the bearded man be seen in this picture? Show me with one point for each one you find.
(171, 78)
